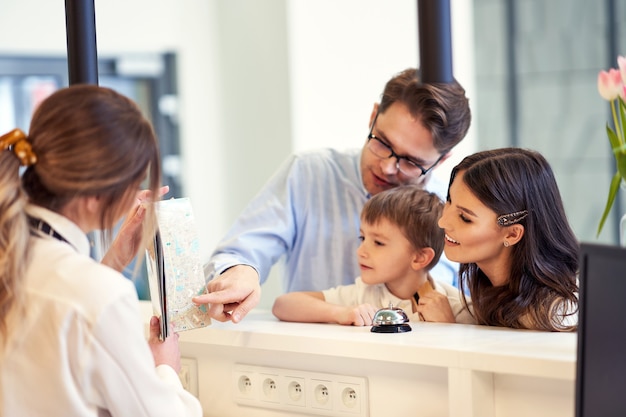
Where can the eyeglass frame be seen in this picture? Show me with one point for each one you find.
(393, 154)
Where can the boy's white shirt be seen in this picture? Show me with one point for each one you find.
(379, 296)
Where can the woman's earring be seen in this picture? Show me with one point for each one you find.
(506, 244)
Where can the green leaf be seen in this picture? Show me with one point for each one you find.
(609, 203)
(620, 159)
(612, 138)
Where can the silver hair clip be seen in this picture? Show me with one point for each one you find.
(512, 218)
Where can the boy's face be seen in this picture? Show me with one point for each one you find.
(385, 254)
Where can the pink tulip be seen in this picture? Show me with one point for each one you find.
(610, 84)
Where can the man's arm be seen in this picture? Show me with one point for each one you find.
(263, 232)
(259, 237)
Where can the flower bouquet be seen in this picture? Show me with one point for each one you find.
(612, 87)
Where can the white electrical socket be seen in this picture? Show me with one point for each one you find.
(321, 394)
(245, 384)
(269, 387)
(295, 386)
(188, 375)
(312, 393)
(349, 400)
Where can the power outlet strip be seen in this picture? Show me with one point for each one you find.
(300, 391)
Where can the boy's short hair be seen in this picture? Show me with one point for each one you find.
(414, 211)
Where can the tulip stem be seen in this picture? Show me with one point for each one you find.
(617, 126)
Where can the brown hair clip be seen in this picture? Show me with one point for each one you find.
(17, 142)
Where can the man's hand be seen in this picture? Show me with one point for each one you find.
(232, 294)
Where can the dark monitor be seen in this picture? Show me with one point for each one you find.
(601, 363)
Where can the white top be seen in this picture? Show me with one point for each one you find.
(379, 296)
(79, 349)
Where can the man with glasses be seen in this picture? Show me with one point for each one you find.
(309, 210)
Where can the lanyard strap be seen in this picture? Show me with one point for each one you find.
(45, 228)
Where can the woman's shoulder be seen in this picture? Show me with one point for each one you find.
(58, 271)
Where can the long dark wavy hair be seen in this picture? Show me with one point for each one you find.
(541, 292)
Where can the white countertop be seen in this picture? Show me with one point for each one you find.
(464, 370)
(482, 348)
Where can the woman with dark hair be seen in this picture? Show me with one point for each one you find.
(71, 335)
(505, 224)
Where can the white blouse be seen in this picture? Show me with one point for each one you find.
(79, 348)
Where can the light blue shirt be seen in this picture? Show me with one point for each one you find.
(308, 212)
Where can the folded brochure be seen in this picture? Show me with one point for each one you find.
(175, 272)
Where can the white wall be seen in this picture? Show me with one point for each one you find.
(257, 79)
(341, 54)
(187, 27)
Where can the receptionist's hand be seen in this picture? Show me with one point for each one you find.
(164, 352)
(128, 238)
(232, 294)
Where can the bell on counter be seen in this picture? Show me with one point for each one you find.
(390, 320)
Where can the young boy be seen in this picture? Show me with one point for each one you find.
(400, 243)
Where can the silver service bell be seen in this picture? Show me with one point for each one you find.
(390, 320)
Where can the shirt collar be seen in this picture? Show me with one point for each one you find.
(63, 226)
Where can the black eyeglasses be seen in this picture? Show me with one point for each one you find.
(403, 164)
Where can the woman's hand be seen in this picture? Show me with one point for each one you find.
(434, 306)
(164, 352)
(126, 243)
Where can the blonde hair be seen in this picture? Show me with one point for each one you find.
(88, 141)
(14, 235)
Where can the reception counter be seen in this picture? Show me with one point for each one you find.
(434, 370)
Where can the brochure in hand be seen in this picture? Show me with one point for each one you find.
(175, 272)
